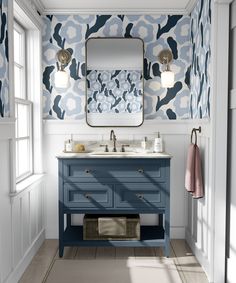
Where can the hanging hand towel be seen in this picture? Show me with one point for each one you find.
(189, 175)
(198, 190)
(193, 175)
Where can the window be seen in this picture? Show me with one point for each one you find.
(23, 107)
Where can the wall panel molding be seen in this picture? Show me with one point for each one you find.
(25, 261)
(218, 166)
(27, 226)
(233, 18)
(7, 129)
(205, 264)
(199, 230)
(232, 99)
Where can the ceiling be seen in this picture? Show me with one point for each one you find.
(115, 6)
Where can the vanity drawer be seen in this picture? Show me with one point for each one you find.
(80, 195)
(119, 168)
(140, 195)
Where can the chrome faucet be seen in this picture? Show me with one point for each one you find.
(113, 138)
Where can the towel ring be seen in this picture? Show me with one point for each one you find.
(194, 131)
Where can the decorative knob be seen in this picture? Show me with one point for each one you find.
(140, 170)
(139, 196)
(87, 195)
(87, 171)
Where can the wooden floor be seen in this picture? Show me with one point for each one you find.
(189, 269)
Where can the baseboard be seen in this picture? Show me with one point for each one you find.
(25, 261)
(177, 232)
(202, 259)
(231, 272)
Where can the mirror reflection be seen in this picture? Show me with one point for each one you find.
(114, 81)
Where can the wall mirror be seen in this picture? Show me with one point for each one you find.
(114, 82)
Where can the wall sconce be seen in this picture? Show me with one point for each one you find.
(61, 76)
(167, 76)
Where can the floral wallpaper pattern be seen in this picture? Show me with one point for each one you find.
(115, 91)
(4, 84)
(200, 79)
(157, 31)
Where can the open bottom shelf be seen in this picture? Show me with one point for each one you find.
(151, 236)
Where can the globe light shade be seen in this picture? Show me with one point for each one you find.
(61, 79)
(167, 79)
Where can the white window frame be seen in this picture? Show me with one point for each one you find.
(33, 25)
(24, 100)
(19, 28)
(29, 137)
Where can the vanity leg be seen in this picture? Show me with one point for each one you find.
(61, 250)
(167, 232)
(61, 230)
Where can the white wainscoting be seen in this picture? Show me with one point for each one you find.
(21, 215)
(176, 136)
(231, 214)
(199, 230)
(231, 272)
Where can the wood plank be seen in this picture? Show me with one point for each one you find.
(144, 252)
(69, 252)
(160, 252)
(175, 260)
(41, 263)
(187, 263)
(86, 253)
(124, 252)
(105, 252)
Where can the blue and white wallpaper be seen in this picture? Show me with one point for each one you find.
(200, 79)
(157, 31)
(114, 91)
(4, 84)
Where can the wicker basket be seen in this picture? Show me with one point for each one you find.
(111, 227)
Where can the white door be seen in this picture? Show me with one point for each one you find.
(231, 205)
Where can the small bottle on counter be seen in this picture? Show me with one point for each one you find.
(69, 145)
(144, 143)
(158, 144)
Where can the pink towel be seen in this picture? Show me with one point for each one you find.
(193, 175)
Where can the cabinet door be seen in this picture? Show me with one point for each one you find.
(85, 195)
(140, 195)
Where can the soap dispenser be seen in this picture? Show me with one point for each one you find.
(158, 144)
(69, 144)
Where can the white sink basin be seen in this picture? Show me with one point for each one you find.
(118, 153)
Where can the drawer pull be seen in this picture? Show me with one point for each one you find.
(87, 195)
(140, 170)
(87, 171)
(139, 196)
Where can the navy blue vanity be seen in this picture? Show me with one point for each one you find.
(124, 185)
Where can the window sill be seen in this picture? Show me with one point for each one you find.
(26, 183)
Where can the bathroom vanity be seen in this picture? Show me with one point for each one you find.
(114, 184)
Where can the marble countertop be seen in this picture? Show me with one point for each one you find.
(94, 154)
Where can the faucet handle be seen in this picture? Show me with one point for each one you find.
(123, 147)
(106, 147)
